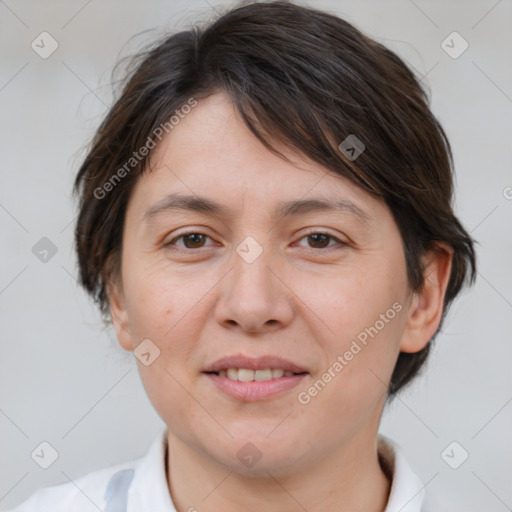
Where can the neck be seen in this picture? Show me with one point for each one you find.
(349, 478)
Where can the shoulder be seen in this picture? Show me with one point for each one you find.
(84, 494)
(106, 489)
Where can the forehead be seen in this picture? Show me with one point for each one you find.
(212, 154)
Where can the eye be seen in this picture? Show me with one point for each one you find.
(320, 240)
(192, 240)
(196, 240)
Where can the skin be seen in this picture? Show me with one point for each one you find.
(304, 298)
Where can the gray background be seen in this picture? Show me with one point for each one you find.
(66, 381)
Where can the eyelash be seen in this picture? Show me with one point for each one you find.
(183, 235)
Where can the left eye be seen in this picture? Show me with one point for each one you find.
(321, 238)
(194, 240)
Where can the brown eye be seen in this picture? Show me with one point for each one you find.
(190, 240)
(193, 240)
(321, 241)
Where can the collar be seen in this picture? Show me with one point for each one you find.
(407, 490)
(149, 489)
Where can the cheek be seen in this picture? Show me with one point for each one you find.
(160, 298)
(347, 395)
(364, 312)
(165, 307)
(348, 300)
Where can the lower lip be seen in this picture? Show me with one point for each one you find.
(255, 390)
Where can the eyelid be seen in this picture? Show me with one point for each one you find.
(312, 231)
(183, 235)
(320, 231)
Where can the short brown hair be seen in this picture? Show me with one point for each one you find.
(297, 76)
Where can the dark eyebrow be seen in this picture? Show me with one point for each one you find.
(193, 203)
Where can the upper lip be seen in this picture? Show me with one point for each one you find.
(253, 363)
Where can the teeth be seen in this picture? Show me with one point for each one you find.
(248, 375)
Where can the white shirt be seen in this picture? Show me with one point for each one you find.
(140, 485)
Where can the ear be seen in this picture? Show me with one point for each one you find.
(118, 310)
(426, 307)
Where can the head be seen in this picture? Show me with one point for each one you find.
(272, 103)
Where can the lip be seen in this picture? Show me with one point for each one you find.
(254, 363)
(255, 390)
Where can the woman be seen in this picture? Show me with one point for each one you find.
(265, 215)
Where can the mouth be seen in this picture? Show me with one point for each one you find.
(249, 375)
(254, 390)
(249, 379)
(243, 363)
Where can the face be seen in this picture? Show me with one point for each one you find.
(322, 289)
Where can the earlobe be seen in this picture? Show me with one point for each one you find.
(119, 313)
(426, 307)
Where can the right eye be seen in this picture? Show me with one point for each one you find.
(192, 240)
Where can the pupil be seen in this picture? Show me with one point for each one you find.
(196, 236)
(324, 237)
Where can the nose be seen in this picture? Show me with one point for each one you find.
(254, 295)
